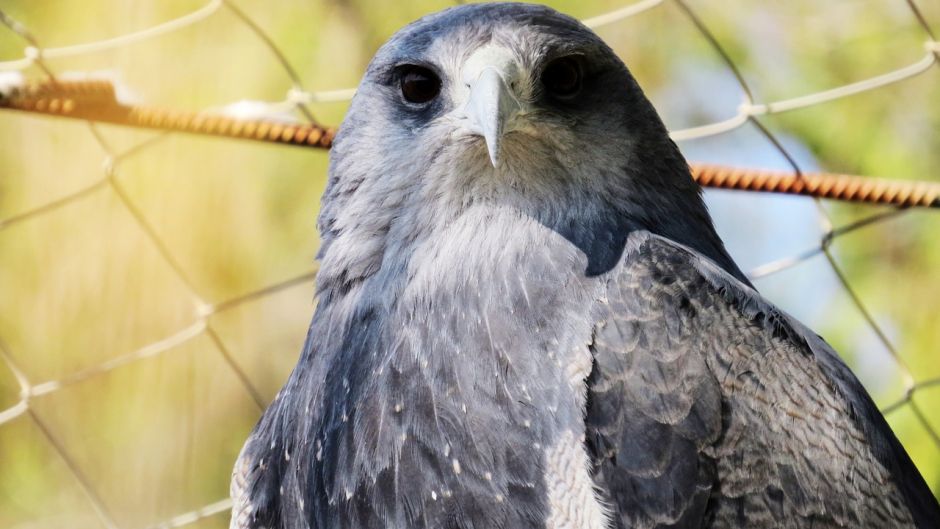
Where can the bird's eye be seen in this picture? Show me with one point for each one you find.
(418, 84)
(562, 77)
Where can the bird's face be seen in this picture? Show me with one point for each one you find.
(511, 85)
(480, 101)
(485, 109)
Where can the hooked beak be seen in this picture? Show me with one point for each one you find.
(490, 107)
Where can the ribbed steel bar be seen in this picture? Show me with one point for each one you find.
(902, 193)
(96, 101)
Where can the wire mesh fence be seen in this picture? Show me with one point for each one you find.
(200, 332)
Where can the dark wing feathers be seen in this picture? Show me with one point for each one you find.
(708, 407)
(652, 409)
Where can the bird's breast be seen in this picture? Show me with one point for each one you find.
(468, 389)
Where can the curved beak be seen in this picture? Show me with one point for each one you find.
(490, 107)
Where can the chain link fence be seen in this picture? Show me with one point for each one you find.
(62, 413)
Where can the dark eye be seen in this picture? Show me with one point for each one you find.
(562, 77)
(418, 84)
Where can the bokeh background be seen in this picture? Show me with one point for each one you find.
(155, 289)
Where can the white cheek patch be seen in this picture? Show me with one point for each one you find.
(572, 500)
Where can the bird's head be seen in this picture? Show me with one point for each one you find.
(509, 104)
(501, 92)
(491, 81)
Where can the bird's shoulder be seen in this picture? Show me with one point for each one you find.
(707, 404)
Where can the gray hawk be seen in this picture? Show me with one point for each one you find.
(526, 319)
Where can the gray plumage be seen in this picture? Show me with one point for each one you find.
(526, 320)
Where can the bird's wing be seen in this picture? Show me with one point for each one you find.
(708, 406)
(254, 489)
(261, 474)
(241, 501)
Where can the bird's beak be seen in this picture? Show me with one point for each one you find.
(490, 107)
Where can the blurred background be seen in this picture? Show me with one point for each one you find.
(155, 288)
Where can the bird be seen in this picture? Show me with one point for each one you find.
(526, 319)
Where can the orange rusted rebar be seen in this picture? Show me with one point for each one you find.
(903, 193)
(96, 101)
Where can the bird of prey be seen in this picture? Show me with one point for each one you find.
(526, 320)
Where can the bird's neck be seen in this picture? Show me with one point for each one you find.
(405, 257)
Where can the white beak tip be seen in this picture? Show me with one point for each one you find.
(493, 151)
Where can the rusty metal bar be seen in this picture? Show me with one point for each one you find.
(96, 101)
(902, 193)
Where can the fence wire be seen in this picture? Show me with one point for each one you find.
(35, 55)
